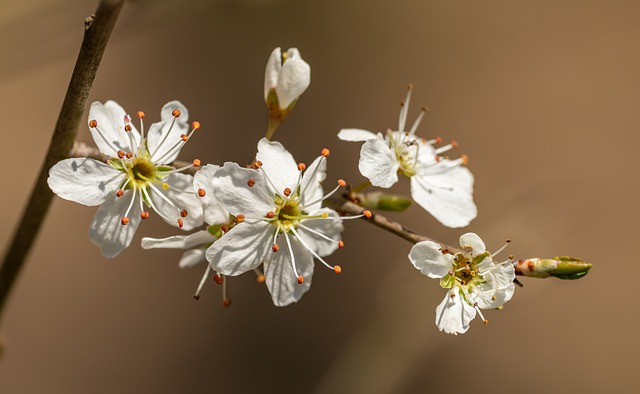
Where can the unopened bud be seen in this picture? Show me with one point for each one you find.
(561, 267)
(385, 202)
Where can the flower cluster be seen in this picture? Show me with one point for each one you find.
(273, 214)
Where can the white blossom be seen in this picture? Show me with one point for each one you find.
(473, 280)
(442, 186)
(280, 221)
(136, 176)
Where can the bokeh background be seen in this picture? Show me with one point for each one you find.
(543, 96)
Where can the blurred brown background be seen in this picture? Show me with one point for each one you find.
(543, 97)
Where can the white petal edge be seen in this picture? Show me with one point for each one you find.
(274, 64)
(191, 258)
(427, 257)
(83, 180)
(378, 163)
(293, 80)
(242, 249)
(198, 238)
(356, 135)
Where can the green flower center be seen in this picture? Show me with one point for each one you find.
(141, 171)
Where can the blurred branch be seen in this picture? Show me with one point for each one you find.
(97, 30)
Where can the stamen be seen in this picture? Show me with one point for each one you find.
(319, 234)
(337, 269)
(302, 166)
(196, 295)
(260, 278)
(341, 183)
(126, 214)
(340, 244)
(94, 125)
(451, 145)
(366, 213)
(144, 215)
(184, 213)
(180, 223)
(184, 137)
(121, 154)
(485, 321)
(270, 215)
(287, 192)
(507, 242)
(195, 125)
(325, 152)
(226, 301)
(300, 279)
(202, 193)
(224, 228)
(119, 193)
(218, 278)
(196, 163)
(302, 241)
(293, 259)
(141, 117)
(240, 218)
(166, 135)
(176, 113)
(258, 163)
(275, 190)
(313, 174)
(275, 248)
(416, 123)
(404, 109)
(129, 155)
(251, 182)
(124, 221)
(165, 186)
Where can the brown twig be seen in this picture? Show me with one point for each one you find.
(98, 28)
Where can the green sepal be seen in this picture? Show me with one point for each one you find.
(215, 230)
(116, 163)
(385, 202)
(570, 268)
(448, 281)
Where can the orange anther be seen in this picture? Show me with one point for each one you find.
(176, 113)
(465, 159)
(124, 221)
(202, 193)
(302, 167)
(270, 215)
(195, 125)
(258, 164)
(240, 218)
(454, 144)
(140, 115)
(340, 244)
(275, 248)
(184, 213)
(119, 193)
(184, 137)
(325, 152)
(196, 163)
(129, 155)
(261, 278)
(300, 279)
(251, 182)
(127, 128)
(218, 279)
(367, 213)
(287, 192)
(438, 140)
(196, 297)
(224, 228)
(337, 269)
(93, 123)
(121, 153)
(226, 302)
(180, 223)
(144, 215)
(342, 183)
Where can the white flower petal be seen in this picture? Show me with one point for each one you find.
(85, 181)
(453, 207)
(107, 232)
(447, 174)
(278, 164)
(242, 249)
(491, 298)
(191, 258)
(378, 163)
(231, 190)
(453, 315)
(110, 118)
(500, 276)
(164, 135)
(356, 135)
(190, 241)
(474, 242)
(311, 185)
(274, 64)
(181, 194)
(214, 212)
(427, 257)
(293, 80)
(331, 227)
(280, 278)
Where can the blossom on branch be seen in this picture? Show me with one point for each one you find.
(474, 281)
(137, 175)
(279, 219)
(442, 186)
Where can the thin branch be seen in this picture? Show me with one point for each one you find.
(98, 28)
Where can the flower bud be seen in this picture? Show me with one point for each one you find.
(385, 202)
(561, 267)
(286, 77)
